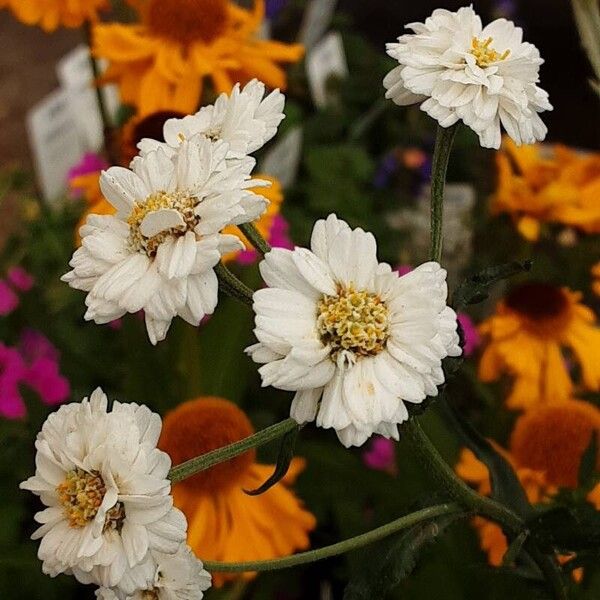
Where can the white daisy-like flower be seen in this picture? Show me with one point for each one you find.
(158, 252)
(353, 339)
(106, 490)
(459, 70)
(245, 119)
(179, 576)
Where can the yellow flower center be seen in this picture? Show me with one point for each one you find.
(81, 495)
(150, 594)
(187, 21)
(178, 201)
(484, 54)
(353, 321)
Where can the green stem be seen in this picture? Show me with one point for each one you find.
(367, 120)
(255, 238)
(205, 461)
(232, 286)
(441, 154)
(341, 547)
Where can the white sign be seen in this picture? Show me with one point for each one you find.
(283, 160)
(54, 142)
(76, 78)
(316, 21)
(327, 59)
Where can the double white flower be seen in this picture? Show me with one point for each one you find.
(159, 251)
(107, 493)
(459, 70)
(354, 340)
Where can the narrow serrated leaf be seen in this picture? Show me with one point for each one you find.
(284, 458)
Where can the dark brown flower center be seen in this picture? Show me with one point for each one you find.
(187, 21)
(537, 301)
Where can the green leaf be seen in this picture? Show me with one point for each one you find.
(284, 458)
(387, 565)
(475, 288)
(506, 487)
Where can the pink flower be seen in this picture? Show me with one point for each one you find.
(12, 371)
(8, 299)
(278, 238)
(90, 163)
(471, 335)
(381, 455)
(403, 269)
(34, 344)
(20, 279)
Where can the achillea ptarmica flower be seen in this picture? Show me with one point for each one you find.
(158, 251)
(105, 486)
(526, 339)
(225, 523)
(197, 39)
(178, 576)
(353, 339)
(245, 119)
(483, 76)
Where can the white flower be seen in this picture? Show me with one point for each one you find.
(105, 486)
(158, 252)
(178, 576)
(351, 337)
(245, 119)
(461, 71)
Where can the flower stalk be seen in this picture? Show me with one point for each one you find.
(420, 516)
(255, 237)
(441, 155)
(232, 286)
(205, 461)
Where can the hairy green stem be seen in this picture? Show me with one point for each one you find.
(348, 545)
(441, 154)
(255, 238)
(232, 286)
(205, 461)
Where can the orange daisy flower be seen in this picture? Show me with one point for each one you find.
(596, 278)
(545, 449)
(51, 14)
(538, 184)
(224, 523)
(527, 336)
(274, 194)
(161, 63)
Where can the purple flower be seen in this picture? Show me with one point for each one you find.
(381, 455)
(12, 371)
(387, 168)
(471, 335)
(274, 7)
(8, 299)
(20, 279)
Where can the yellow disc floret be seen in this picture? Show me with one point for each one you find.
(484, 54)
(180, 201)
(353, 321)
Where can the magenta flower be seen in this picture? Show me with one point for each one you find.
(20, 279)
(8, 299)
(381, 455)
(44, 377)
(90, 163)
(12, 371)
(471, 335)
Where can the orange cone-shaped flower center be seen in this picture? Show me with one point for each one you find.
(199, 426)
(554, 438)
(186, 21)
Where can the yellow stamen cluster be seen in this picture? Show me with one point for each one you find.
(179, 201)
(150, 594)
(484, 54)
(81, 496)
(353, 321)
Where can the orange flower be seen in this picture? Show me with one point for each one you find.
(51, 14)
(224, 523)
(546, 448)
(538, 184)
(88, 186)
(161, 63)
(596, 278)
(526, 338)
(274, 194)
